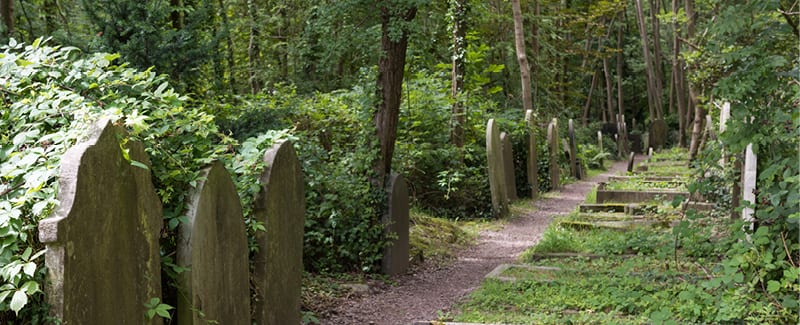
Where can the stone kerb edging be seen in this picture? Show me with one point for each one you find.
(102, 254)
(212, 244)
(280, 206)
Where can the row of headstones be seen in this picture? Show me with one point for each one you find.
(103, 255)
(502, 182)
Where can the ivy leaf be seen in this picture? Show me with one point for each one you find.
(19, 300)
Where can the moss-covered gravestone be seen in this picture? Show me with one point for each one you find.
(494, 157)
(573, 153)
(280, 206)
(103, 261)
(552, 142)
(658, 134)
(508, 166)
(213, 246)
(533, 164)
(395, 256)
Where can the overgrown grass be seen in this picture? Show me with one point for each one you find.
(439, 238)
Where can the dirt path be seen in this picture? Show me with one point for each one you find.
(420, 295)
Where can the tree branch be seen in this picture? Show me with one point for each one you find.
(788, 17)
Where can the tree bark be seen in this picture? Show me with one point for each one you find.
(253, 50)
(699, 113)
(522, 57)
(658, 70)
(7, 13)
(588, 104)
(389, 89)
(653, 100)
(677, 81)
(459, 11)
(620, 101)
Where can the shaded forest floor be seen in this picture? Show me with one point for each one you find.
(431, 289)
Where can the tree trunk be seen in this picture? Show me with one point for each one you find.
(253, 51)
(652, 99)
(620, 102)
(535, 45)
(589, 99)
(389, 89)
(658, 69)
(7, 13)
(176, 17)
(677, 82)
(522, 57)
(458, 119)
(699, 113)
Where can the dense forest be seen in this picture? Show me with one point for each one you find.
(370, 88)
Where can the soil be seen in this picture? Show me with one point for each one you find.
(432, 289)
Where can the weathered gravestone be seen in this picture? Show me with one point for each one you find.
(552, 141)
(213, 246)
(631, 159)
(103, 260)
(749, 178)
(573, 153)
(280, 206)
(600, 145)
(508, 166)
(724, 115)
(533, 163)
(395, 256)
(658, 134)
(494, 157)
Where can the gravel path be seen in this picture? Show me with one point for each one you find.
(429, 289)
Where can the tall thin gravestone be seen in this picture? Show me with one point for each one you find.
(213, 246)
(749, 177)
(395, 256)
(508, 166)
(600, 145)
(724, 115)
(280, 206)
(552, 141)
(103, 261)
(631, 159)
(494, 157)
(573, 153)
(533, 163)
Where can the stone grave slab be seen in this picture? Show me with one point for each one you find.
(213, 245)
(395, 256)
(280, 206)
(103, 261)
(494, 157)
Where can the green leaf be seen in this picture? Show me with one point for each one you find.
(30, 287)
(141, 165)
(773, 286)
(19, 300)
(29, 268)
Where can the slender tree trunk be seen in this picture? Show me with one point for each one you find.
(699, 113)
(620, 101)
(677, 82)
(389, 89)
(535, 45)
(658, 69)
(176, 17)
(589, 99)
(459, 11)
(7, 13)
(223, 13)
(253, 50)
(653, 101)
(522, 57)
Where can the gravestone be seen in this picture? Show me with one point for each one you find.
(617, 140)
(658, 134)
(552, 141)
(508, 166)
(626, 138)
(635, 142)
(395, 256)
(213, 245)
(631, 159)
(600, 145)
(533, 163)
(494, 157)
(102, 258)
(573, 153)
(280, 205)
(749, 178)
(724, 115)
(650, 152)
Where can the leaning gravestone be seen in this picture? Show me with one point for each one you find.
(280, 206)
(749, 178)
(533, 164)
(213, 246)
(631, 159)
(658, 134)
(508, 166)
(395, 256)
(103, 261)
(573, 153)
(552, 141)
(494, 157)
